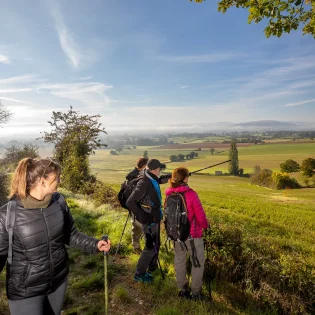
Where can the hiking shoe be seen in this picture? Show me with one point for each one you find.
(186, 294)
(137, 251)
(200, 297)
(145, 278)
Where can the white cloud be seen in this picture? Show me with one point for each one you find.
(206, 58)
(92, 93)
(70, 47)
(184, 86)
(27, 78)
(4, 59)
(15, 90)
(300, 103)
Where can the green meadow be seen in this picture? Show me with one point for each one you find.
(262, 243)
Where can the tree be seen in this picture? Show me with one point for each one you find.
(180, 157)
(146, 154)
(283, 16)
(308, 167)
(233, 156)
(5, 114)
(289, 166)
(212, 151)
(192, 154)
(14, 154)
(75, 137)
(187, 156)
(196, 154)
(173, 158)
(113, 152)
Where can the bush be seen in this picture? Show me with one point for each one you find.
(101, 193)
(308, 166)
(240, 171)
(290, 166)
(180, 157)
(4, 188)
(284, 181)
(14, 154)
(173, 158)
(262, 177)
(113, 152)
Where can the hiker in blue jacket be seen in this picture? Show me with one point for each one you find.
(145, 203)
(37, 268)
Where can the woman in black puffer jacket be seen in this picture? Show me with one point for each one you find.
(37, 276)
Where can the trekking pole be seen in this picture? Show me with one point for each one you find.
(105, 254)
(156, 253)
(209, 167)
(118, 246)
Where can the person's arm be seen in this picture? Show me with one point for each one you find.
(164, 178)
(199, 212)
(4, 241)
(134, 200)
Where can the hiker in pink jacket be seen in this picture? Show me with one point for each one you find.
(194, 244)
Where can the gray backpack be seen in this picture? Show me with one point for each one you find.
(10, 220)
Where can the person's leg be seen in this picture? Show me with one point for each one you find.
(136, 233)
(147, 253)
(56, 298)
(30, 306)
(157, 240)
(197, 272)
(180, 267)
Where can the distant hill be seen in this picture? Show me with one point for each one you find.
(268, 124)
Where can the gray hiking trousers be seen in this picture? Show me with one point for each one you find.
(149, 255)
(180, 266)
(136, 232)
(50, 304)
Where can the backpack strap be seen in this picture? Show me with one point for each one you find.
(61, 200)
(9, 224)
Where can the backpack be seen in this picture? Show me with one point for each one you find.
(10, 220)
(126, 189)
(176, 221)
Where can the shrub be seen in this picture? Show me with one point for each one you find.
(14, 154)
(101, 193)
(113, 152)
(308, 166)
(4, 188)
(240, 171)
(283, 181)
(173, 158)
(180, 157)
(290, 166)
(262, 177)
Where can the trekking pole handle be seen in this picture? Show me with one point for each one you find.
(105, 238)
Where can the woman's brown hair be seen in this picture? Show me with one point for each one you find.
(142, 162)
(28, 172)
(178, 176)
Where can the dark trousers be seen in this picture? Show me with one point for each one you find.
(149, 255)
(50, 304)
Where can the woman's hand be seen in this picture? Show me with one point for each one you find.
(103, 246)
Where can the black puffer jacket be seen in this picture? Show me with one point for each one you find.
(39, 253)
(145, 193)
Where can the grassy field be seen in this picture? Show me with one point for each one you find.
(113, 168)
(262, 254)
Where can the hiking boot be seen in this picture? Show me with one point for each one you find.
(145, 278)
(149, 274)
(200, 297)
(137, 251)
(186, 294)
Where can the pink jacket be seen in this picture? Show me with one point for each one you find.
(196, 214)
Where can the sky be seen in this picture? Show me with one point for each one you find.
(148, 64)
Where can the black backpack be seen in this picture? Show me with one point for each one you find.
(126, 190)
(176, 221)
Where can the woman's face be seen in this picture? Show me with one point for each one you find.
(186, 180)
(50, 184)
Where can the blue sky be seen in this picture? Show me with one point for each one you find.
(149, 63)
